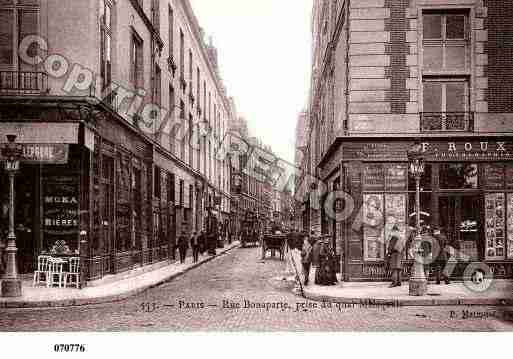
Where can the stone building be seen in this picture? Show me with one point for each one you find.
(121, 112)
(388, 74)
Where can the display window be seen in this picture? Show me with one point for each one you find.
(495, 225)
(458, 176)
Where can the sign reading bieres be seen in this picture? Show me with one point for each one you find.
(44, 153)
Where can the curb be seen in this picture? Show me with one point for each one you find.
(421, 301)
(108, 298)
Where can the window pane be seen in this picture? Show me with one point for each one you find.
(455, 57)
(6, 37)
(456, 97)
(458, 176)
(432, 97)
(455, 26)
(432, 26)
(433, 57)
(28, 26)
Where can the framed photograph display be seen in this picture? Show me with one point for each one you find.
(495, 225)
(509, 224)
(373, 227)
(395, 214)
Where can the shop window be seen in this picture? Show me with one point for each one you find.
(378, 177)
(123, 208)
(137, 203)
(495, 215)
(446, 44)
(458, 176)
(381, 212)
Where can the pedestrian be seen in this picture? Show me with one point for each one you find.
(202, 242)
(440, 262)
(182, 246)
(395, 251)
(306, 259)
(325, 274)
(195, 246)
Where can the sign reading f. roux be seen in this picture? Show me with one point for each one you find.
(43, 153)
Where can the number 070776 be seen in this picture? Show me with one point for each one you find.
(69, 348)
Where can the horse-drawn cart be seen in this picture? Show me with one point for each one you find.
(274, 243)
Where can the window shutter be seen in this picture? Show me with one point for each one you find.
(6, 37)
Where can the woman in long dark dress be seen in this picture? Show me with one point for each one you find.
(326, 274)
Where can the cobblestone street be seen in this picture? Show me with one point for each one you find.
(194, 302)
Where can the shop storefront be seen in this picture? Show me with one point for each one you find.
(467, 189)
(91, 188)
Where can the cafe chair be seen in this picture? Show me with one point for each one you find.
(43, 263)
(55, 272)
(73, 273)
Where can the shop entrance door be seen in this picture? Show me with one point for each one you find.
(25, 224)
(459, 215)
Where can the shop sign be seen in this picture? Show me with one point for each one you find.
(390, 151)
(472, 150)
(44, 153)
(468, 150)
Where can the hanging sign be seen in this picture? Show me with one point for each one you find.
(43, 153)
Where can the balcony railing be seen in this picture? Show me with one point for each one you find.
(446, 121)
(23, 83)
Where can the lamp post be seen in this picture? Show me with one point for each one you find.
(11, 283)
(418, 281)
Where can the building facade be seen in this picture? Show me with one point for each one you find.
(388, 75)
(121, 112)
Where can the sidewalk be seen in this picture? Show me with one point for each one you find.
(38, 297)
(456, 293)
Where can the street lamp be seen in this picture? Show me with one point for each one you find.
(418, 281)
(11, 283)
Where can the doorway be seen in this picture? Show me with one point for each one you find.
(460, 217)
(25, 226)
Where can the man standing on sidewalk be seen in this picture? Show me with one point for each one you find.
(306, 259)
(195, 247)
(183, 243)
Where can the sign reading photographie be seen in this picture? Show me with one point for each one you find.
(461, 150)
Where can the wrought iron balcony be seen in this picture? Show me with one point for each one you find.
(446, 121)
(23, 83)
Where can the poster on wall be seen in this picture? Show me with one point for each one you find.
(495, 226)
(60, 214)
(395, 215)
(373, 227)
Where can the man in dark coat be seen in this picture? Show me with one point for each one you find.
(183, 244)
(395, 251)
(306, 259)
(195, 246)
(202, 242)
(443, 256)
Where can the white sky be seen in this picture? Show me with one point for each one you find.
(264, 58)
